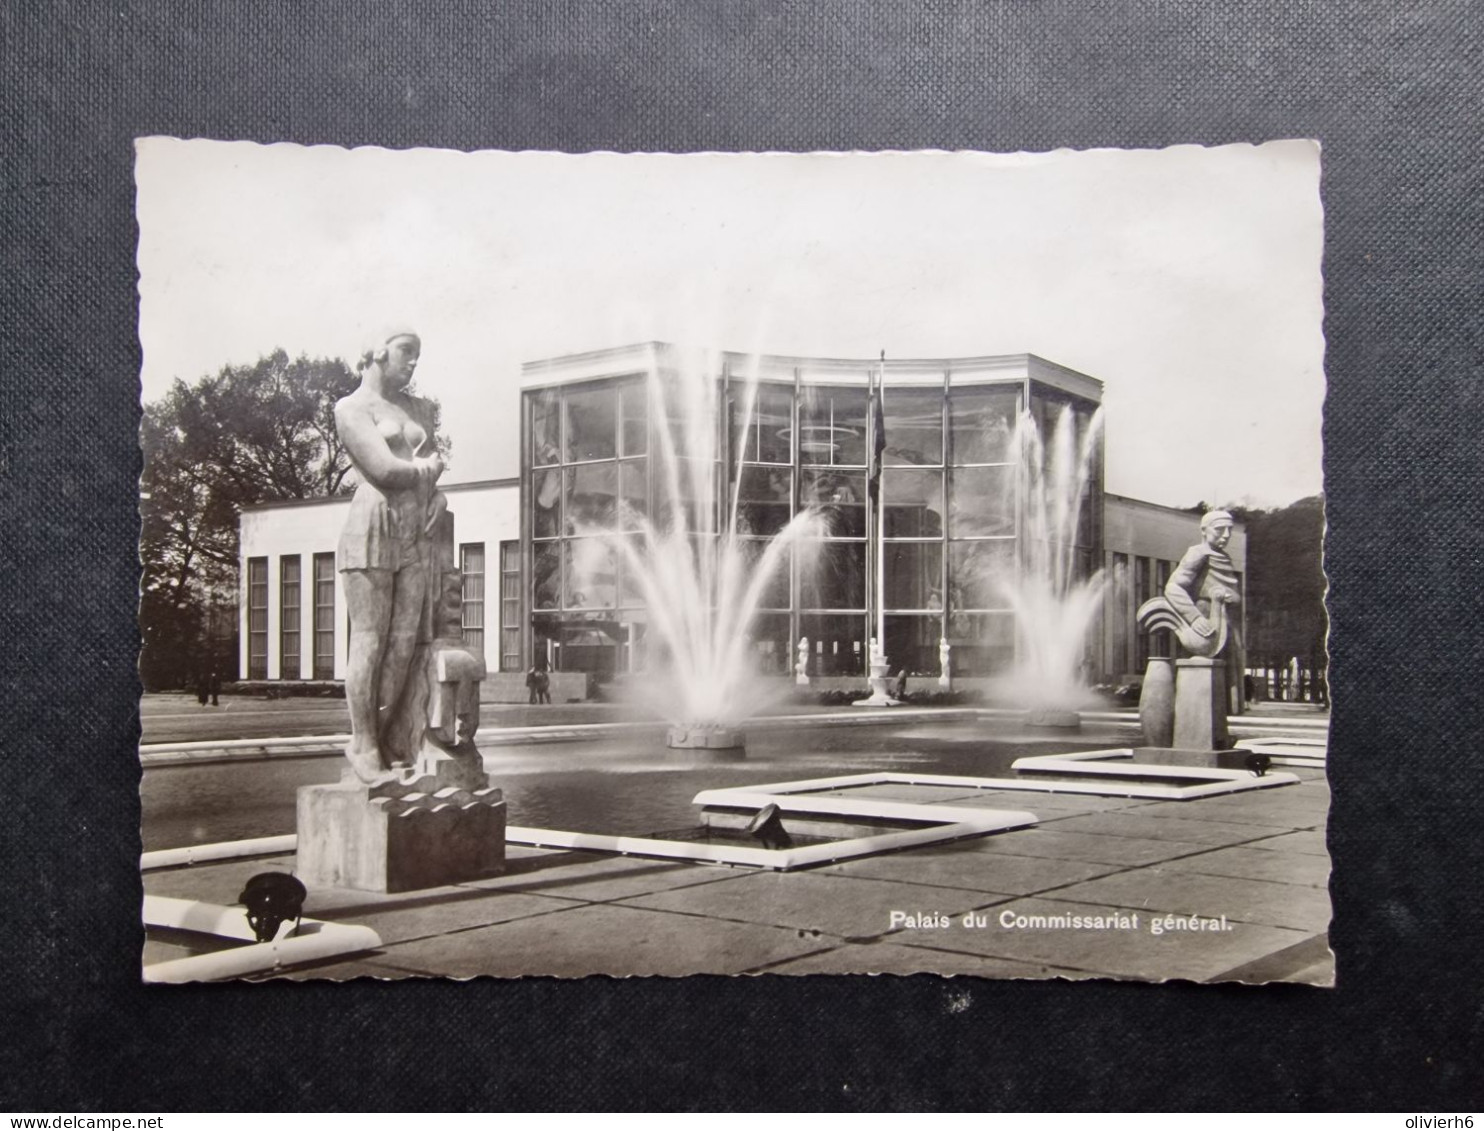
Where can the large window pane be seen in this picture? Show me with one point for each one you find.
(981, 502)
(630, 556)
(634, 419)
(591, 581)
(592, 424)
(634, 493)
(766, 436)
(546, 504)
(695, 505)
(978, 573)
(914, 427)
(837, 644)
(914, 575)
(471, 570)
(592, 494)
(982, 643)
(764, 500)
(772, 651)
(832, 426)
(775, 593)
(832, 575)
(841, 499)
(912, 644)
(983, 425)
(546, 442)
(546, 573)
(913, 503)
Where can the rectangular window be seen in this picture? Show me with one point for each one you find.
(471, 567)
(1143, 590)
(324, 616)
(1122, 619)
(257, 618)
(832, 426)
(289, 587)
(510, 653)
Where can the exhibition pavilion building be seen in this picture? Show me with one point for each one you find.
(923, 513)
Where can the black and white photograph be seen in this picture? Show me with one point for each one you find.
(750, 563)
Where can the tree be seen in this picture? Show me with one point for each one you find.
(250, 434)
(1285, 587)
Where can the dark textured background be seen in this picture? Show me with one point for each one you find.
(1393, 91)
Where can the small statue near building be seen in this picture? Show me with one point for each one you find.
(1199, 606)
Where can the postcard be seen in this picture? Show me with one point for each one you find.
(666, 564)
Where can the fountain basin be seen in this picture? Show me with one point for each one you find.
(1053, 718)
(714, 737)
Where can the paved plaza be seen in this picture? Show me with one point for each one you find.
(1250, 869)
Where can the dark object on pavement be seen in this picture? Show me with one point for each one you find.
(271, 899)
(767, 827)
(1259, 764)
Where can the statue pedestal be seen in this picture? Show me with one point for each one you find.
(399, 836)
(880, 696)
(1200, 704)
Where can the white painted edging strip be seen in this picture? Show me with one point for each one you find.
(1097, 763)
(310, 941)
(225, 850)
(1232, 781)
(1289, 751)
(943, 824)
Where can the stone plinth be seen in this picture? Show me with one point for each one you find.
(1200, 704)
(401, 836)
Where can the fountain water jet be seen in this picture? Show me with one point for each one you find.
(1054, 607)
(701, 581)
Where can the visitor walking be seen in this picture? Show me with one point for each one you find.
(543, 686)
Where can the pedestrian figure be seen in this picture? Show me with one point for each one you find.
(543, 686)
(531, 686)
(901, 689)
(203, 688)
(215, 686)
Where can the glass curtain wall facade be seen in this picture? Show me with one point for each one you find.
(951, 492)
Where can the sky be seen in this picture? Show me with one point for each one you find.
(1187, 280)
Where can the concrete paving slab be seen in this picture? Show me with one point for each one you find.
(813, 902)
(215, 882)
(1257, 864)
(340, 971)
(604, 938)
(1042, 803)
(1309, 843)
(887, 959)
(1302, 908)
(965, 864)
(1189, 830)
(1238, 810)
(438, 911)
(1310, 962)
(1197, 956)
(1050, 840)
(595, 878)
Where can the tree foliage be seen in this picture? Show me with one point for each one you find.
(1285, 584)
(250, 434)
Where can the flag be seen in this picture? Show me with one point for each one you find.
(878, 434)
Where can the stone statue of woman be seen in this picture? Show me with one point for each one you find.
(383, 555)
